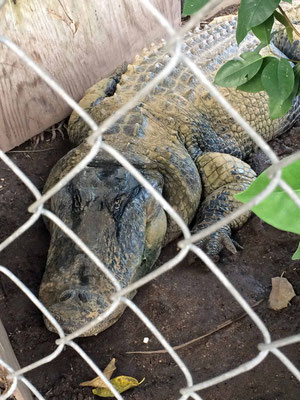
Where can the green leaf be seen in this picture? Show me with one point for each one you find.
(289, 32)
(278, 209)
(296, 255)
(279, 109)
(263, 31)
(259, 47)
(278, 79)
(281, 18)
(255, 85)
(297, 77)
(237, 72)
(288, 1)
(286, 78)
(284, 21)
(296, 89)
(192, 6)
(253, 13)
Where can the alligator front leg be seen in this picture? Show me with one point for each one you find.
(222, 177)
(78, 130)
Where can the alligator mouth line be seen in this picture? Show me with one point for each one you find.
(68, 318)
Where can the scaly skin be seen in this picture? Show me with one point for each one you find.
(183, 142)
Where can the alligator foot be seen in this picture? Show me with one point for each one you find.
(223, 176)
(218, 240)
(214, 243)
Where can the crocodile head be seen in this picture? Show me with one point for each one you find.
(121, 223)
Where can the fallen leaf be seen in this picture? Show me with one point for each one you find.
(121, 383)
(281, 294)
(98, 382)
(110, 368)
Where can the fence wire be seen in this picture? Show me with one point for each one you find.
(95, 140)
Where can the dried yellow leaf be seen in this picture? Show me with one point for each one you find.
(110, 368)
(98, 382)
(120, 383)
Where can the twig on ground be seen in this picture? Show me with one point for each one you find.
(30, 151)
(211, 332)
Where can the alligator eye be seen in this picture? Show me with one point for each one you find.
(120, 202)
(117, 203)
(66, 295)
(117, 206)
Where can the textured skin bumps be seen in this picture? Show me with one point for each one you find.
(217, 170)
(184, 144)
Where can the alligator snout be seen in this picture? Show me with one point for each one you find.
(77, 307)
(77, 294)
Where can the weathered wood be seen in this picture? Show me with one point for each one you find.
(76, 42)
(7, 355)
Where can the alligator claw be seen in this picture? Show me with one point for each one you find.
(228, 243)
(215, 243)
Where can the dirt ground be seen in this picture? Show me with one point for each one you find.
(184, 304)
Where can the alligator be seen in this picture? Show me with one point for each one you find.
(182, 142)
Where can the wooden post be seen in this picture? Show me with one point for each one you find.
(77, 43)
(7, 355)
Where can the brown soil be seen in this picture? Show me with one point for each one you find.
(183, 304)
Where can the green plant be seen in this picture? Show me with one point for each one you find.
(279, 77)
(278, 209)
(281, 80)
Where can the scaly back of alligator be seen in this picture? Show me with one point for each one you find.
(179, 103)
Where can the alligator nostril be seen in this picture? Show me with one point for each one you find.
(83, 297)
(66, 295)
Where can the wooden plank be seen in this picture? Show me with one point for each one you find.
(76, 42)
(7, 355)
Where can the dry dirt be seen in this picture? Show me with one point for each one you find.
(183, 304)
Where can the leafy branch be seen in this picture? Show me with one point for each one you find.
(280, 78)
(278, 209)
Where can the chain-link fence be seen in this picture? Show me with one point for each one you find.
(186, 245)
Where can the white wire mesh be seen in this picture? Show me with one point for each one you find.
(37, 208)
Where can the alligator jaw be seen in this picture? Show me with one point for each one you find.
(73, 316)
